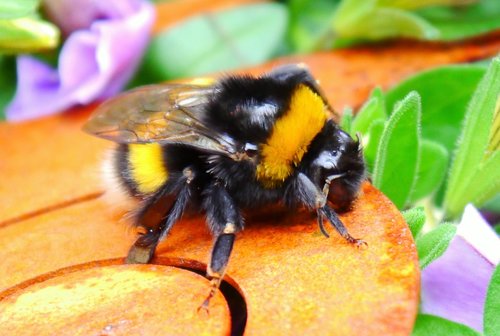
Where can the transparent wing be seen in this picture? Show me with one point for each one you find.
(170, 113)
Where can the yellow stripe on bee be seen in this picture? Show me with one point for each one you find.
(147, 167)
(291, 135)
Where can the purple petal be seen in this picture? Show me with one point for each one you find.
(72, 15)
(454, 286)
(116, 56)
(37, 85)
(77, 62)
(93, 63)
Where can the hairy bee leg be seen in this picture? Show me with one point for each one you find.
(339, 226)
(305, 192)
(321, 224)
(225, 221)
(218, 263)
(314, 198)
(144, 247)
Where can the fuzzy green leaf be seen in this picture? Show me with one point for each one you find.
(432, 245)
(485, 184)
(396, 164)
(492, 305)
(217, 41)
(372, 111)
(371, 143)
(473, 143)
(426, 325)
(415, 217)
(445, 93)
(432, 169)
(346, 120)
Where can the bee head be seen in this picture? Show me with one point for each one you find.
(337, 167)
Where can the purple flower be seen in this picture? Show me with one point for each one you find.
(106, 40)
(454, 286)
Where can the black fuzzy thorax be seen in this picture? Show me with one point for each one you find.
(230, 108)
(238, 177)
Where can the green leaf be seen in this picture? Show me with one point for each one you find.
(462, 22)
(243, 36)
(491, 321)
(416, 4)
(11, 9)
(372, 111)
(384, 22)
(349, 13)
(371, 143)
(396, 164)
(415, 217)
(426, 325)
(432, 169)
(484, 185)
(494, 140)
(310, 24)
(493, 204)
(445, 93)
(7, 82)
(432, 245)
(357, 20)
(369, 121)
(346, 120)
(473, 143)
(27, 34)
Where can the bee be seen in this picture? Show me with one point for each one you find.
(232, 144)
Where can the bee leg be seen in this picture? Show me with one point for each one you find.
(314, 198)
(158, 216)
(143, 249)
(339, 226)
(225, 221)
(217, 267)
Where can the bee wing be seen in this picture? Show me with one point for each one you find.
(170, 113)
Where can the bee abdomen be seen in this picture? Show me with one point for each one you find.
(141, 167)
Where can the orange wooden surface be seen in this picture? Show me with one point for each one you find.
(292, 279)
(111, 300)
(45, 164)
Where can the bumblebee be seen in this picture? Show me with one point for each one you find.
(236, 143)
